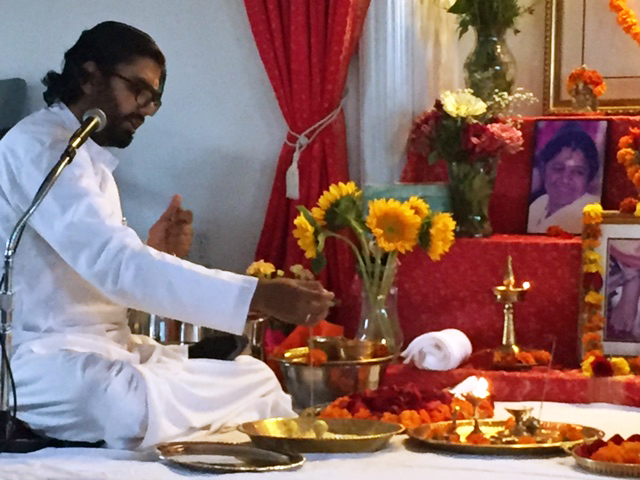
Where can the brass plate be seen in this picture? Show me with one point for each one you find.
(628, 470)
(492, 427)
(216, 457)
(345, 435)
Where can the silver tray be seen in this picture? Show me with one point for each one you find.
(217, 457)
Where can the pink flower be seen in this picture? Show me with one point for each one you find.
(479, 140)
(510, 136)
(423, 131)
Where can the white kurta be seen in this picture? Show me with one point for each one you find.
(569, 217)
(80, 373)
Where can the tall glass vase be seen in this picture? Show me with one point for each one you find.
(490, 66)
(379, 321)
(471, 187)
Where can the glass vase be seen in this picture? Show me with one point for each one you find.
(471, 186)
(490, 66)
(379, 321)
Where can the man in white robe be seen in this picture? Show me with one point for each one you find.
(79, 372)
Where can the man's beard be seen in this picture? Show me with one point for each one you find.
(114, 134)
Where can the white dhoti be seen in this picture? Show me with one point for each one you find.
(141, 396)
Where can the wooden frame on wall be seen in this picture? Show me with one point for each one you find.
(579, 32)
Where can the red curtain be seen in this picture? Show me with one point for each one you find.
(306, 47)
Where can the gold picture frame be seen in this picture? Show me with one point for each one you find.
(611, 286)
(586, 32)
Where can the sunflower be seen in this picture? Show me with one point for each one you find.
(395, 225)
(305, 233)
(337, 204)
(419, 206)
(442, 236)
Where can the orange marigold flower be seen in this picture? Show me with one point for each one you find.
(625, 141)
(625, 156)
(634, 365)
(591, 338)
(389, 417)
(410, 418)
(594, 323)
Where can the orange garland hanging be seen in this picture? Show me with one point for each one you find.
(627, 18)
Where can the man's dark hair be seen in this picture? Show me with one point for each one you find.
(108, 44)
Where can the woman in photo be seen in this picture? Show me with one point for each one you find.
(568, 164)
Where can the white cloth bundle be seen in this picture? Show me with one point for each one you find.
(443, 350)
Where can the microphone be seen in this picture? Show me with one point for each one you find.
(93, 120)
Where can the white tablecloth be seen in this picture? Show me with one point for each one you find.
(394, 462)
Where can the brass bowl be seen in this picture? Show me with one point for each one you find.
(604, 468)
(345, 435)
(312, 385)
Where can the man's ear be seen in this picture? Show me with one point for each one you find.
(91, 76)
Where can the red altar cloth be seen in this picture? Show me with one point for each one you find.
(456, 292)
(568, 386)
(510, 201)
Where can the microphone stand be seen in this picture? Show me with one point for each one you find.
(15, 435)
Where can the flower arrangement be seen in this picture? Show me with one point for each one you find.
(468, 134)
(492, 15)
(376, 234)
(594, 362)
(462, 128)
(626, 17)
(582, 78)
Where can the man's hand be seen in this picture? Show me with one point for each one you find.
(173, 232)
(301, 302)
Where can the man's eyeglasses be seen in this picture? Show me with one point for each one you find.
(144, 93)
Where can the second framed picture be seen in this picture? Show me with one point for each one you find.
(567, 173)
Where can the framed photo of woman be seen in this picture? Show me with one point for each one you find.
(567, 173)
(610, 308)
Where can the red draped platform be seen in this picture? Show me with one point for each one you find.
(568, 386)
(457, 291)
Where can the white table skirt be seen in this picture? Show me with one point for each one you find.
(394, 462)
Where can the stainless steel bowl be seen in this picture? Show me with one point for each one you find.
(311, 385)
(166, 330)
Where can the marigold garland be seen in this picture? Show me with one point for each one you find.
(595, 363)
(627, 18)
(582, 77)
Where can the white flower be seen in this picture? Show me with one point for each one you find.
(462, 103)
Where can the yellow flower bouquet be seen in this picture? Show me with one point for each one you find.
(376, 234)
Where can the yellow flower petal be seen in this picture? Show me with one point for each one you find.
(592, 213)
(620, 366)
(305, 233)
(394, 225)
(419, 206)
(260, 268)
(442, 236)
(462, 104)
(586, 366)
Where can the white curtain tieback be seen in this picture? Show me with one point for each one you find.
(302, 140)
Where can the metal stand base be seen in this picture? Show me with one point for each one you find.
(17, 437)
